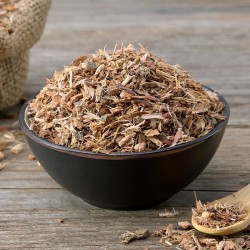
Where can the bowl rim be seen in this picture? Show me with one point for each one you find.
(123, 155)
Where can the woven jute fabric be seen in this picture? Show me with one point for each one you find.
(27, 24)
(13, 72)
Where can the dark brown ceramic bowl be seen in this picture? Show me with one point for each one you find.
(126, 180)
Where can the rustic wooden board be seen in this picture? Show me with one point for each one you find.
(36, 223)
(208, 38)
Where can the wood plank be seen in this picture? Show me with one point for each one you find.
(57, 198)
(84, 226)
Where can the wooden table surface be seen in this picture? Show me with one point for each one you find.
(210, 39)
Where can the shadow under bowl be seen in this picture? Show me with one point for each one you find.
(126, 181)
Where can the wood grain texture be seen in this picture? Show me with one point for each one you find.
(210, 39)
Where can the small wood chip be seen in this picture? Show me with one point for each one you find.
(31, 157)
(127, 237)
(187, 240)
(142, 233)
(139, 234)
(169, 213)
(186, 225)
(17, 149)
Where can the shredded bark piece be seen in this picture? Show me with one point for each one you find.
(169, 214)
(17, 149)
(186, 225)
(170, 236)
(227, 245)
(137, 235)
(217, 214)
(186, 240)
(127, 237)
(127, 100)
(11, 141)
(142, 233)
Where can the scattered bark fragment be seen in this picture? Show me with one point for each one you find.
(186, 240)
(170, 236)
(169, 214)
(244, 242)
(127, 237)
(197, 243)
(217, 214)
(227, 244)
(127, 100)
(9, 138)
(137, 235)
(142, 233)
(10, 141)
(31, 157)
(17, 149)
(205, 241)
(189, 239)
(186, 225)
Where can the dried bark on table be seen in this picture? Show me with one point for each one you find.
(217, 214)
(126, 100)
(11, 140)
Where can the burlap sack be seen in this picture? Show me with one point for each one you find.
(27, 24)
